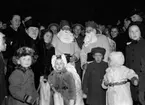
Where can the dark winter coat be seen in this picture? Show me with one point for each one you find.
(22, 84)
(92, 83)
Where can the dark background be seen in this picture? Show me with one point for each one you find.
(47, 11)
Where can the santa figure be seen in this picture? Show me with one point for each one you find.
(92, 40)
(64, 43)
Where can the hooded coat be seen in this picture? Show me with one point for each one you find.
(116, 81)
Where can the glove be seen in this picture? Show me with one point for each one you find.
(73, 58)
(84, 67)
(134, 81)
(28, 99)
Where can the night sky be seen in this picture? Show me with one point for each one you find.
(47, 11)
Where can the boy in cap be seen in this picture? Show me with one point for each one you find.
(93, 78)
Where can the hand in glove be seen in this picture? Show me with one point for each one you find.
(84, 67)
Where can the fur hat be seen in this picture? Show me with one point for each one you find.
(91, 24)
(98, 50)
(24, 51)
(116, 59)
(64, 23)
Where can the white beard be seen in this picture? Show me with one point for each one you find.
(65, 36)
(90, 38)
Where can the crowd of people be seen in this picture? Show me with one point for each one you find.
(72, 64)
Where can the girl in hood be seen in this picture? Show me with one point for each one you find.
(116, 81)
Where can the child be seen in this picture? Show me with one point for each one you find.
(22, 87)
(93, 78)
(65, 83)
(115, 80)
(62, 80)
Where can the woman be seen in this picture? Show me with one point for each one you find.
(46, 50)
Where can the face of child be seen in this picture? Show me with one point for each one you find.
(25, 61)
(59, 65)
(98, 57)
(134, 32)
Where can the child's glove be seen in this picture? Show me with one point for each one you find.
(28, 99)
(84, 96)
(84, 67)
(73, 58)
(134, 81)
(36, 102)
(106, 83)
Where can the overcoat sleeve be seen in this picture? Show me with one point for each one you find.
(16, 87)
(105, 80)
(85, 80)
(131, 74)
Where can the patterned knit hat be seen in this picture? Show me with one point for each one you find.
(91, 24)
(98, 50)
(24, 51)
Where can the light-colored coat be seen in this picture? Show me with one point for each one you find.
(65, 48)
(118, 94)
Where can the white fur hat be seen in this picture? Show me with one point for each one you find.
(55, 57)
(116, 59)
